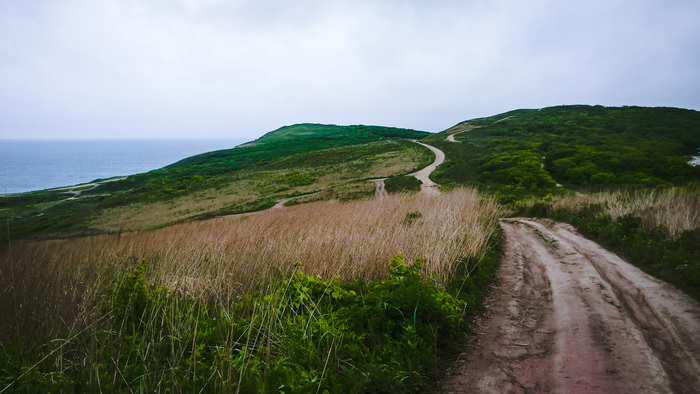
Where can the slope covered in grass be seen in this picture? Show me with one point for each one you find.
(526, 153)
(287, 162)
(286, 141)
(299, 299)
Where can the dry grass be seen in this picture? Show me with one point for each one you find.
(252, 184)
(674, 210)
(223, 258)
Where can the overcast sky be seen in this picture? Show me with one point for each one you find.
(238, 69)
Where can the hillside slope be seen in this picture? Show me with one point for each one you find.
(286, 141)
(527, 153)
(290, 161)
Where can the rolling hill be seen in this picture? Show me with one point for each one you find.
(290, 161)
(521, 155)
(528, 153)
(160, 283)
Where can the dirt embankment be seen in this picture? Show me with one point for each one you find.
(566, 315)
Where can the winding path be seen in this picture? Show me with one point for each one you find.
(427, 186)
(459, 129)
(77, 190)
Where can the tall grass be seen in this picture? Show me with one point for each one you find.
(656, 230)
(674, 210)
(52, 286)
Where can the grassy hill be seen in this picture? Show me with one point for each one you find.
(290, 161)
(286, 141)
(518, 155)
(302, 299)
(526, 153)
(620, 175)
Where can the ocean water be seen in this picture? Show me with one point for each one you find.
(28, 165)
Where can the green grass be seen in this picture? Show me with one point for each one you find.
(279, 164)
(402, 184)
(523, 154)
(300, 334)
(284, 142)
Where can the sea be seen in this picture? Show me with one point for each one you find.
(29, 165)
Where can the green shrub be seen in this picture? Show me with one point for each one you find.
(402, 184)
(307, 335)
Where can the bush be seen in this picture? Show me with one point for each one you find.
(307, 335)
(402, 183)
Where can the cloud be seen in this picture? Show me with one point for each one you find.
(80, 68)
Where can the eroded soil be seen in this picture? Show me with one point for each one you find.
(380, 188)
(566, 315)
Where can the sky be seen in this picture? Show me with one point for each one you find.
(239, 69)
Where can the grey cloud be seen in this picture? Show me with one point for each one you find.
(80, 68)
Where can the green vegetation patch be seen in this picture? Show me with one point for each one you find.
(308, 335)
(277, 166)
(402, 184)
(523, 154)
(287, 141)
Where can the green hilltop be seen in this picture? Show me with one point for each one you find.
(287, 141)
(520, 155)
(532, 153)
(289, 162)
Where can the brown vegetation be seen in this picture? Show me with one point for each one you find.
(57, 282)
(344, 180)
(674, 209)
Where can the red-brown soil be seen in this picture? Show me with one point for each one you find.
(566, 315)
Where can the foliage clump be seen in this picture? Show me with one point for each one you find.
(308, 334)
(402, 183)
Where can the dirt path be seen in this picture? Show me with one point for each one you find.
(458, 129)
(280, 203)
(568, 316)
(77, 190)
(429, 187)
(379, 188)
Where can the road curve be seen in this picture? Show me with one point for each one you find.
(566, 315)
(429, 187)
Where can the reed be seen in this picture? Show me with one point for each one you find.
(674, 210)
(57, 282)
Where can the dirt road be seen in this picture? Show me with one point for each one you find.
(458, 129)
(77, 190)
(379, 188)
(566, 315)
(427, 186)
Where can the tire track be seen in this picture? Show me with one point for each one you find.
(566, 315)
